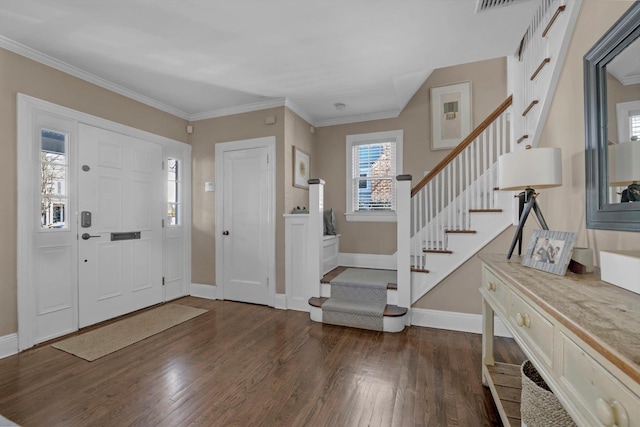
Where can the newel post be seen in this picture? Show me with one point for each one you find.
(316, 231)
(403, 214)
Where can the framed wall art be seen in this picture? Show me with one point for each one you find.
(300, 168)
(550, 251)
(450, 115)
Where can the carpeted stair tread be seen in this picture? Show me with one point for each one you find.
(327, 278)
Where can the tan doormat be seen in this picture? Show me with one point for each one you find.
(94, 344)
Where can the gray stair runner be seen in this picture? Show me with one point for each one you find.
(358, 298)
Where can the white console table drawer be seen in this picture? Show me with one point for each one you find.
(533, 328)
(496, 289)
(601, 396)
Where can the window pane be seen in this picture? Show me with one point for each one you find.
(173, 169)
(53, 179)
(635, 127)
(375, 160)
(173, 192)
(53, 213)
(173, 214)
(378, 195)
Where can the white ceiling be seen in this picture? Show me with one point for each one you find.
(208, 58)
(626, 66)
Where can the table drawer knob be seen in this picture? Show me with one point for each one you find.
(491, 286)
(523, 320)
(611, 414)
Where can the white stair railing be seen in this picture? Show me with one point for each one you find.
(535, 69)
(465, 180)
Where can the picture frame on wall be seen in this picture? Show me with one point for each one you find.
(550, 251)
(300, 168)
(450, 115)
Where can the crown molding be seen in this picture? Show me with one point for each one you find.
(238, 109)
(630, 80)
(49, 61)
(300, 112)
(360, 118)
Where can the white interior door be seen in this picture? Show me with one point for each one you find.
(120, 252)
(246, 225)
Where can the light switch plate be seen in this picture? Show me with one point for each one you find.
(209, 187)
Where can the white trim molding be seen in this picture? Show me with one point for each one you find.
(204, 291)
(454, 321)
(280, 302)
(383, 262)
(8, 345)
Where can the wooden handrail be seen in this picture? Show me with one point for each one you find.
(464, 144)
(553, 19)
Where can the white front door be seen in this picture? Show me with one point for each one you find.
(246, 226)
(120, 208)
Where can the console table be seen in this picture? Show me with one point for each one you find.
(581, 334)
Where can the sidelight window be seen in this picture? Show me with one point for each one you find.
(174, 184)
(54, 170)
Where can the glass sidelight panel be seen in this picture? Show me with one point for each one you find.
(53, 179)
(173, 192)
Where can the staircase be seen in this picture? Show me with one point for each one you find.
(351, 308)
(456, 209)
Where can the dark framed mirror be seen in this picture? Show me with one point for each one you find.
(612, 126)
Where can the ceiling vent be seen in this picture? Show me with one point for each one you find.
(484, 5)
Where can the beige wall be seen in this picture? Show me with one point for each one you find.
(488, 91)
(233, 128)
(297, 133)
(21, 75)
(564, 207)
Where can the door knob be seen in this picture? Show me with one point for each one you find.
(87, 236)
(225, 233)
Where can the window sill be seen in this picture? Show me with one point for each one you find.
(371, 216)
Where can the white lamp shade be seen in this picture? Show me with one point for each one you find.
(532, 168)
(624, 163)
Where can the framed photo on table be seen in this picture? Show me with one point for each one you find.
(300, 168)
(550, 251)
(450, 115)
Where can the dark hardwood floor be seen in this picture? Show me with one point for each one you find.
(247, 365)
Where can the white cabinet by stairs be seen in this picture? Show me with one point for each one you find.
(581, 334)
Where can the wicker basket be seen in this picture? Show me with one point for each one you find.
(539, 407)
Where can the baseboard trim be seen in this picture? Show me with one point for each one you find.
(298, 304)
(204, 291)
(453, 321)
(386, 262)
(280, 301)
(8, 345)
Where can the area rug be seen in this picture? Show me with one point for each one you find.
(95, 344)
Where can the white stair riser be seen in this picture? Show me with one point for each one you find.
(390, 324)
(392, 294)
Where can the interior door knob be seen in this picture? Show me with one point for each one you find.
(225, 233)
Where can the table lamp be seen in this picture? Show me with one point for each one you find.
(525, 170)
(624, 169)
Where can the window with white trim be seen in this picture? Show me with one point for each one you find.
(634, 125)
(54, 170)
(628, 114)
(174, 193)
(373, 162)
